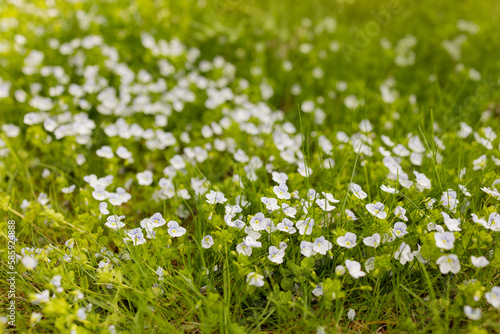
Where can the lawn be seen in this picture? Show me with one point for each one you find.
(232, 166)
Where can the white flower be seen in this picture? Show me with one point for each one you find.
(377, 210)
(287, 226)
(490, 192)
(404, 254)
(276, 254)
(41, 297)
(444, 240)
(472, 313)
(373, 241)
(452, 224)
(281, 191)
(259, 222)
(464, 190)
(448, 263)
(175, 230)
(304, 170)
(160, 272)
(357, 191)
(351, 314)
(350, 215)
(207, 241)
(449, 199)
(105, 152)
(348, 240)
(399, 229)
(123, 153)
(479, 262)
(68, 190)
(465, 130)
(400, 212)
(35, 318)
(340, 270)
(324, 205)
(113, 222)
(387, 189)
(480, 163)
(100, 194)
(318, 291)
(330, 198)
(288, 210)
(136, 236)
(157, 220)
(280, 178)
(215, 197)
(43, 199)
(255, 279)
(305, 226)
(177, 162)
(103, 208)
(270, 203)
(354, 269)
(29, 262)
(493, 297)
(306, 248)
(321, 245)
(145, 178)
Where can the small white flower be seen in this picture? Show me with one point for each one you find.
(404, 254)
(357, 191)
(103, 208)
(215, 197)
(377, 210)
(41, 297)
(281, 191)
(321, 245)
(348, 240)
(100, 194)
(207, 241)
(400, 212)
(255, 279)
(472, 313)
(286, 226)
(157, 220)
(270, 203)
(351, 314)
(350, 215)
(373, 241)
(399, 229)
(479, 262)
(493, 297)
(325, 205)
(452, 224)
(175, 230)
(318, 290)
(114, 222)
(276, 254)
(354, 269)
(105, 152)
(305, 226)
(448, 263)
(288, 210)
(145, 178)
(280, 178)
(29, 262)
(304, 170)
(480, 163)
(306, 248)
(340, 270)
(444, 240)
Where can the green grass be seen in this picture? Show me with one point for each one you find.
(205, 290)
